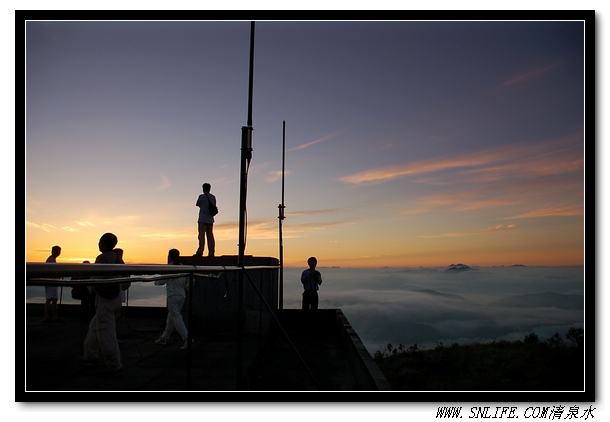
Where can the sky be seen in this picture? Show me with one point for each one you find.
(408, 143)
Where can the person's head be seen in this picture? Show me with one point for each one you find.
(55, 251)
(312, 262)
(206, 187)
(107, 242)
(173, 257)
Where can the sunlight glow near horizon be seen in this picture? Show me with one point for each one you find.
(391, 160)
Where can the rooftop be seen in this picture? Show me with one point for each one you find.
(323, 355)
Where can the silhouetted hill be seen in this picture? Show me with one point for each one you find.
(459, 267)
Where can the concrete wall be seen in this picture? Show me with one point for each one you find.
(366, 371)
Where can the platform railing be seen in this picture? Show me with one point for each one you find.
(45, 274)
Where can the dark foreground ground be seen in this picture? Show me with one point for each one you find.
(307, 361)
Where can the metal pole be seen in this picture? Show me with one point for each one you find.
(251, 73)
(246, 155)
(281, 218)
(189, 338)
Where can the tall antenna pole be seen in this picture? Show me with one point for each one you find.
(281, 218)
(246, 155)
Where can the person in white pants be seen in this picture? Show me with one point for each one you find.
(176, 296)
(101, 337)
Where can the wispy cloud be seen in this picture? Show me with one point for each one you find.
(45, 227)
(325, 138)
(276, 175)
(294, 230)
(529, 76)
(463, 201)
(540, 159)
(264, 229)
(494, 229)
(169, 235)
(165, 183)
(552, 212)
(69, 229)
(386, 174)
(311, 212)
(85, 223)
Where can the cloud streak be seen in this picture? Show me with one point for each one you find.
(165, 183)
(276, 175)
(575, 210)
(311, 212)
(463, 201)
(528, 76)
(45, 227)
(488, 230)
(542, 159)
(323, 139)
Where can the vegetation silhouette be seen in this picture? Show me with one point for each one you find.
(528, 365)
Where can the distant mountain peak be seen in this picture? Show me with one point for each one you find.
(458, 267)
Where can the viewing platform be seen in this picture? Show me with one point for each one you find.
(333, 357)
(273, 350)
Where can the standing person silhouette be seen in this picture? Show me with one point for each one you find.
(101, 336)
(52, 292)
(206, 221)
(311, 279)
(176, 295)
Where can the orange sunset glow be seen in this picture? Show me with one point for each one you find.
(391, 159)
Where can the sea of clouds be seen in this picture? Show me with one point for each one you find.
(428, 306)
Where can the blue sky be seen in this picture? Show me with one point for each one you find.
(408, 143)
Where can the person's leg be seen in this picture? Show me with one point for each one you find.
(201, 238)
(91, 346)
(211, 242)
(306, 300)
(178, 322)
(174, 318)
(314, 300)
(106, 331)
(50, 293)
(169, 322)
(54, 309)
